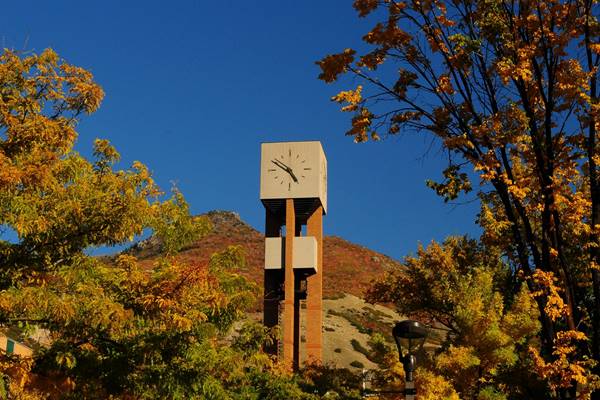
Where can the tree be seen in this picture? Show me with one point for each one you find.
(510, 89)
(331, 382)
(113, 327)
(482, 331)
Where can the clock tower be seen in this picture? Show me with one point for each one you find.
(293, 189)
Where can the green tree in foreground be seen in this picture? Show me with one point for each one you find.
(510, 89)
(112, 328)
(483, 331)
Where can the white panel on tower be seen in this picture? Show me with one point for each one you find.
(274, 253)
(305, 253)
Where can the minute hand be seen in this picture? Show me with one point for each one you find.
(286, 169)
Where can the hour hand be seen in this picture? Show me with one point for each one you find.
(286, 169)
(292, 175)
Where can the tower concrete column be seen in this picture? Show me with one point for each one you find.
(314, 296)
(273, 279)
(289, 286)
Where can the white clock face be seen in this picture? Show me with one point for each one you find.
(293, 170)
(288, 169)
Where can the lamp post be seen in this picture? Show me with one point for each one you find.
(410, 337)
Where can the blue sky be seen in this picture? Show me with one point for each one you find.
(193, 88)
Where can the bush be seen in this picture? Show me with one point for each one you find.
(359, 347)
(330, 382)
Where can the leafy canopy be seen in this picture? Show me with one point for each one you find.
(510, 90)
(109, 327)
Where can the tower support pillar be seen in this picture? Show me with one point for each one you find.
(289, 286)
(273, 280)
(314, 295)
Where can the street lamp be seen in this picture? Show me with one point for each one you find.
(410, 337)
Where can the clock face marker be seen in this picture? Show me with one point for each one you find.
(307, 169)
(289, 186)
(272, 170)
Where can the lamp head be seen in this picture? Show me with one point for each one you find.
(409, 336)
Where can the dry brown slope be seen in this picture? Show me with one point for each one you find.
(347, 267)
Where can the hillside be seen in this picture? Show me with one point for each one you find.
(347, 267)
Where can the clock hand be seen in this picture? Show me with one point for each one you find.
(292, 175)
(280, 164)
(286, 169)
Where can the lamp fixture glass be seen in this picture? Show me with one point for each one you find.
(410, 337)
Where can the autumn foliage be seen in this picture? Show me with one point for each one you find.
(510, 90)
(106, 327)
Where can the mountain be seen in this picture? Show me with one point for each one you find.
(348, 269)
